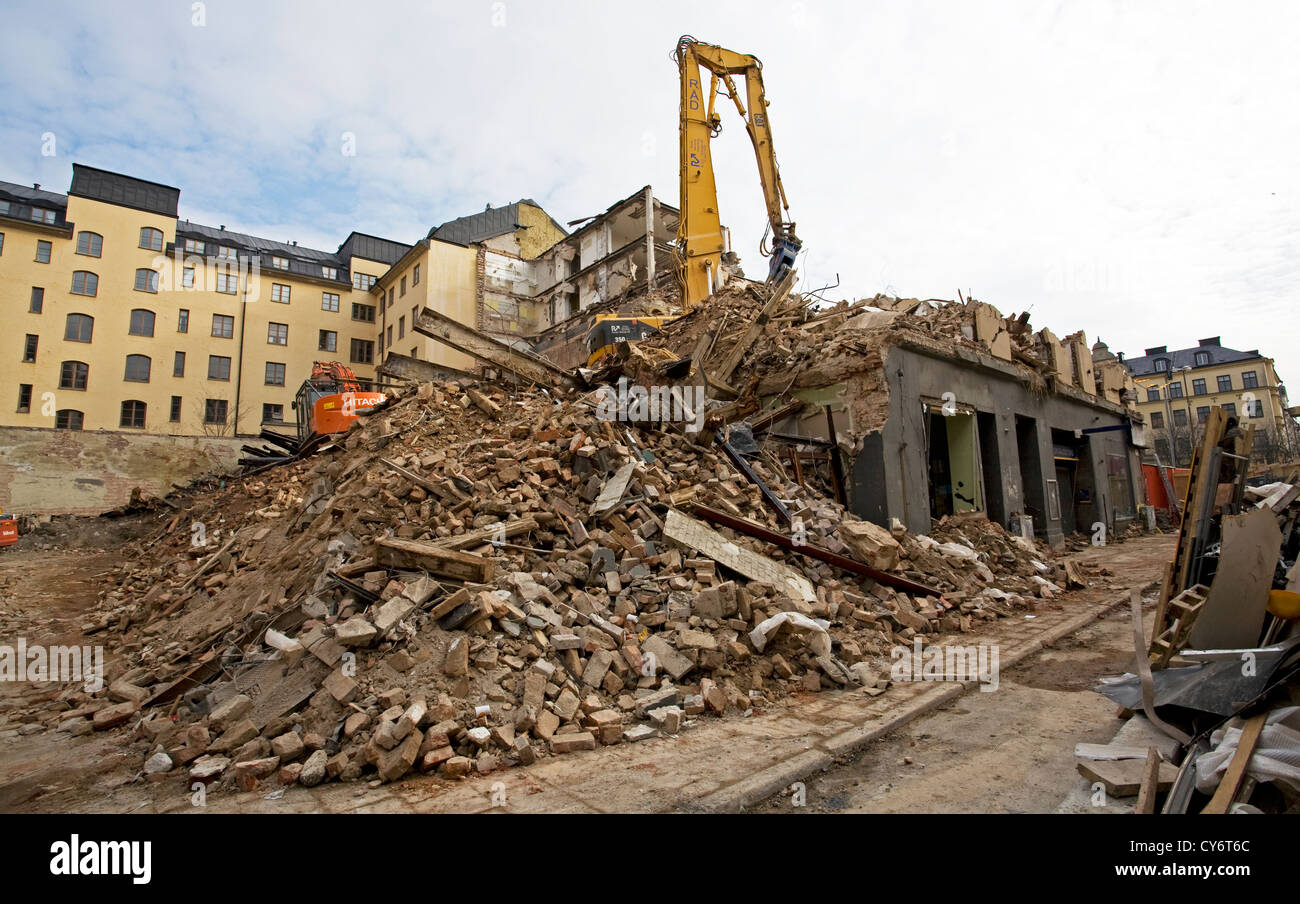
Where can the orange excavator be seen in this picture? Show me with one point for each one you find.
(331, 400)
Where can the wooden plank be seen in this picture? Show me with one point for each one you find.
(470, 341)
(506, 529)
(613, 490)
(722, 373)
(1123, 778)
(1230, 784)
(447, 563)
(699, 536)
(1146, 802)
(1085, 751)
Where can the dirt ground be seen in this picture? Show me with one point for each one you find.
(1010, 750)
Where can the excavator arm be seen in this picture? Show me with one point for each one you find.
(699, 239)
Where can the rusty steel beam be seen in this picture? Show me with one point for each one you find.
(761, 532)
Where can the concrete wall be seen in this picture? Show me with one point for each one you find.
(88, 472)
(896, 484)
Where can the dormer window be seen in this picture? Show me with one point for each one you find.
(280, 263)
(1202, 359)
(1162, 365)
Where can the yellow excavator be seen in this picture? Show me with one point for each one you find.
(700, 240)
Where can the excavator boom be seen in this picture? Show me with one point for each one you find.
(700, 239)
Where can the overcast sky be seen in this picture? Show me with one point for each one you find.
(1128, 168)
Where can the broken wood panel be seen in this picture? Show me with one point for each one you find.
(1233, 614)
(447, 563)
(483, 347)
(699, 536)
(613, 490)
(504, 530)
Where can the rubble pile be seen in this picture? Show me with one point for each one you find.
(473, 579)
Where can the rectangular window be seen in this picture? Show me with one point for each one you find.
(42, 215)
(415, 276)
(1198, 387)
(279, 293)
(183, 321)
(228, 283)
(194, 246)
(329, 272)
(401, 327)
(74, 375)
(363, 351)
(329, 341)
(280, 263)
(329, 301)
(2, 243)
(364, 313)
(1153, 395)
(388, 342)
(363, 282)
(214, 411)
(274, 374)
(1225, 384)
(43, 250)
(1249, 379)
(218, 367)
(390, 297)
(1202, 414)
(29, 349)
(223, 326)
(1157, 420)
(277, 333)
(1175, 390)
(38, 300)
(24, 398)
(178, 365)
(402, 293)
(1255, 408)
(175, 416)
(132, 414)
(226, 254)
(187, 278)
(272, 414)
(1180, 417)
(1231, 408)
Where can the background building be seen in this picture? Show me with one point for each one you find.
(1176, 390)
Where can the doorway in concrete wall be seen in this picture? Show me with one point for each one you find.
(1065, 457)
(991, 466)
(952, 449)
(1031, 472)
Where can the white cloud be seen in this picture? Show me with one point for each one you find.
(1122, 168)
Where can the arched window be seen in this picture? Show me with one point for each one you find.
(68, 419)
(84, 283)
(151, 239)
(79, 328)
(90, 244)
(137, 369)
(146, 280)
(141, 322)
(132, 414)
(73, 375)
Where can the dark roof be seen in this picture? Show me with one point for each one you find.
(1145, 365)
(21, 199)
(247, 242)
(124, 191)
(480, 227)
(25, 194)
(372, 248)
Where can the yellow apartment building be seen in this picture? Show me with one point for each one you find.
(126, 317)
(1176, 390)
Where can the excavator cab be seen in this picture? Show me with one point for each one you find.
(330, 400)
